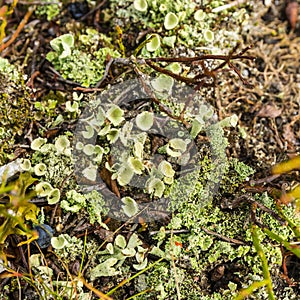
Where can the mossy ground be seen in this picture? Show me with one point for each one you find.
(206, 243)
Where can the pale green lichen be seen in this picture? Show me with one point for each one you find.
(58, 165)
(193, 26)
(92, 204)
(201, 251)
(81, 59)
(71, 247)
(115, 255)
(130, 206)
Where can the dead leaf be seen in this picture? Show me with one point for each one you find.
(291, 12)
(112, 184)
(269, 110)
(288, 134)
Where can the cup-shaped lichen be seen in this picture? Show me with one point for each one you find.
(59, 242)
(112, 135)
(199, 15)
(156, 186)
(72, 107)
(38, 143)
(89, 132)
(43, 189)
(62, 145)
(136, 165)
(130, 207)
(144, 120)
(25, 165)
(90, 172)
(171, 21)
(63, 45)
(176, 147)
(140, 5)
(124, 175)
(154, 43)
(54, 196)
(166, 169)
(169, 40)
(174, 67)
(115, 115)
(208, 36)
(162, 83)
(138, 149)
(88, 149)
(40, 169)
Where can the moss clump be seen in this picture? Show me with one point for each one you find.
(50, 10)
(15, 110)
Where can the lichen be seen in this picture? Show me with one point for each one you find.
(179, 23)
(84, 60)
(59, 166)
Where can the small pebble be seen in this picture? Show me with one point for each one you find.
(45, 233)
(78, 9)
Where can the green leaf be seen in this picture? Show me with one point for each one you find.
(292, 164)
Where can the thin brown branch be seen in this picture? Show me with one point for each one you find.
(18, 30)
(223, 237)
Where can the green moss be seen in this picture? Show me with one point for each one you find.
(202, 251)
(15, 110)
(237, 173)
(51, 10)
